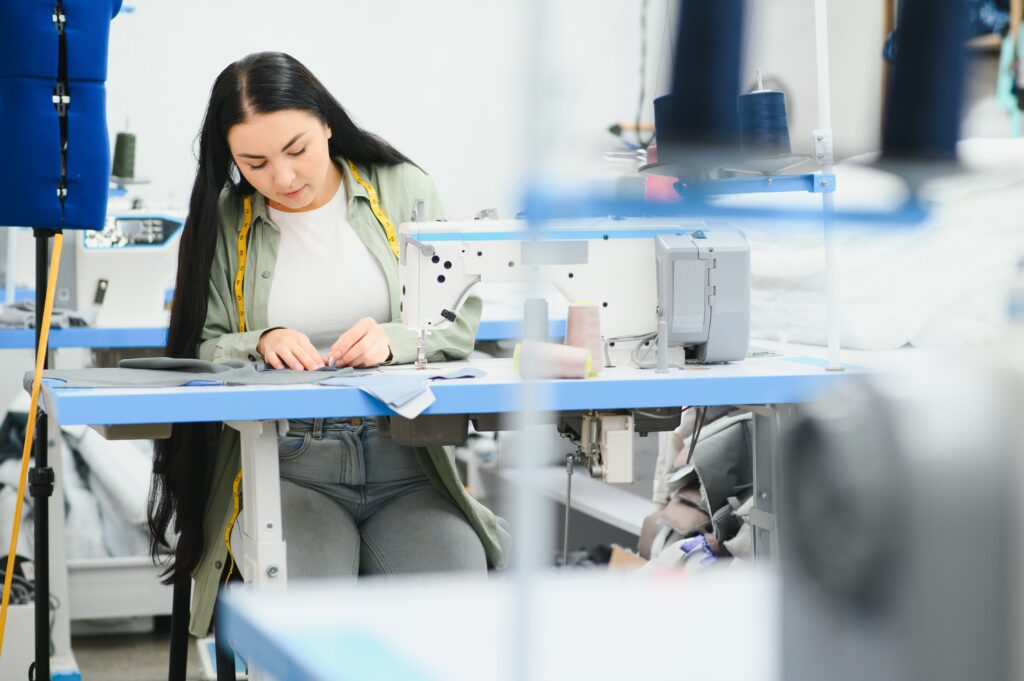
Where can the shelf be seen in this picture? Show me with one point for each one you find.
(608, 503)
(102, 588)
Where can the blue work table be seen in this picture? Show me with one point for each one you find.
(776, 380)
(770, 385)
(87, 337)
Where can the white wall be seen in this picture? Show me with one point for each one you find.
(781, 43)
(445, 81)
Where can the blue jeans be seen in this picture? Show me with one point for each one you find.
(354, 502)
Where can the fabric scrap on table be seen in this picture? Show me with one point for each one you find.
(167, 372)
(406, 394)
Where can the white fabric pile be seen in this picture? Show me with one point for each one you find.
(943, 282)
(105, 509)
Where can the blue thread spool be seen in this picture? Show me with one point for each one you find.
(764, 128)
(662, 115)
(922, 113)
(706, 75)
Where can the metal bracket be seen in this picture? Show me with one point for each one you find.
(61, 99)
(40, 482)
(58, 17)
(760, 519)
(824, 183)
(823, 152)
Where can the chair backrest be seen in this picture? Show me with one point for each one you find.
(53, 64)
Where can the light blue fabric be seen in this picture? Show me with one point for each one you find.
(398, 392)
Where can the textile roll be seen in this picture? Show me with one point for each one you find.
(583, 330)
(124, 156)
(536, 359)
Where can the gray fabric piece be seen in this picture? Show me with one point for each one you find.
(190, 373)
(407, 395)
(724, 464)
(192, 366)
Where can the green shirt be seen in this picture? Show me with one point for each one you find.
(397, 187)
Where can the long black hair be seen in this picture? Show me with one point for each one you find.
(257, 84)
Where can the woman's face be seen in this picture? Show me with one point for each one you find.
(284, 155)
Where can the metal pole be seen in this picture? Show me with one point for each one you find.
(570, 459)
(532, 525)
(823, 150)
(10, 280)
(41, 484)
(180, 607)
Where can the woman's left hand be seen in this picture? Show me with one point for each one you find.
(364, 345)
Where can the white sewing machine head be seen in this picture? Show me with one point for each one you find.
(122, 274)
(694, 276)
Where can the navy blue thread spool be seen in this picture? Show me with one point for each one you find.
(662, 116)
(922, 113)
(764, 128)
(705, 79)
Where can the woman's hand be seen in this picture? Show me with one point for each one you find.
(289, 348)
(364, 345)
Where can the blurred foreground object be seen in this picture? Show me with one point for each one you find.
(900, 526)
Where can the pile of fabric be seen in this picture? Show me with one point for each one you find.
(106, 485)
(704, 488)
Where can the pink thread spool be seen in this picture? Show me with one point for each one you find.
(583, 330)
(537, 359)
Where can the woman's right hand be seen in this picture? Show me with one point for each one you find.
(289, 348)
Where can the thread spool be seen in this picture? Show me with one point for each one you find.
(705, 75)
(535, 319)
(124, 156)
(764, 128)
(583, 330)
(662, 118)
(926, 91)
(539, 360)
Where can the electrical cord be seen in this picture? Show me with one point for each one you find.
(641, 362)
(698, 426)
(634, 357)
(643, 76)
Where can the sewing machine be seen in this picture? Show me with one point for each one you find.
(690, 279)
(693, 276)
(122, 275)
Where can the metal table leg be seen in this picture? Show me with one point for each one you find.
(768, 423)
(261, 556)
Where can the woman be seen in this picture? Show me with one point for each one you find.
(295, 206)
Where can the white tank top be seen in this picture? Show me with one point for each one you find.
(325, 278)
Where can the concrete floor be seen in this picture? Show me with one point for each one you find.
(130, 657)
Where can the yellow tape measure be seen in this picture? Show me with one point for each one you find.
(378, 212)
(243, 238)
(243, 244)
